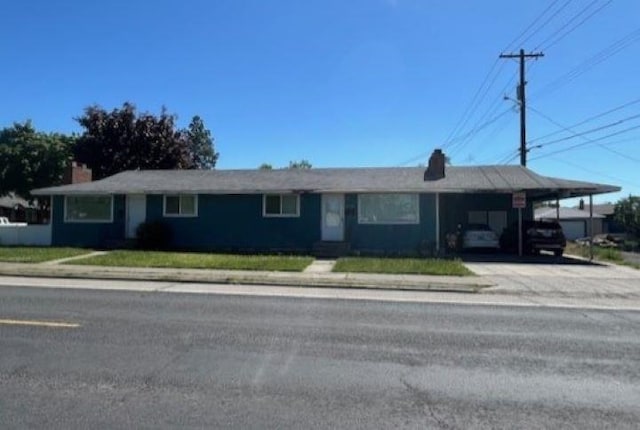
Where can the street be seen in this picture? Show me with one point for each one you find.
(141, 359)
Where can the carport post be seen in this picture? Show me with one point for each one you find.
(519, 232)
(590, 227)
(558, 208)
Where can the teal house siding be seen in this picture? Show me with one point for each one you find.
(454, 209)
(395, 238)
(90, 235)
(235, 222)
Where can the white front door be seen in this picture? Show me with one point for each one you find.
(333, 217)
(136, 213)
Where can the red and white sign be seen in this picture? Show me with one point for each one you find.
(519, 200)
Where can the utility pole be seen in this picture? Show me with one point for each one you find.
(522, 99)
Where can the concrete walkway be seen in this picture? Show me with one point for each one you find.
(77, 257)
(320, 266)
(319, 275)
(571, 278)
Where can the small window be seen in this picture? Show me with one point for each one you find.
(180, 205)
(88, 209)
(388, 209)
(281, 205)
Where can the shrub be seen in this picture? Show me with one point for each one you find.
(153, 235)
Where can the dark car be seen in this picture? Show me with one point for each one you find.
(536, 236)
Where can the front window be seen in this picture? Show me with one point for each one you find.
(281, 205)
(88, 209)
(180, 205)
(388, 209)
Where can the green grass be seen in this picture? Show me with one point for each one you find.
(31, 254)
(193, 260)
(605, 254)
(418, 266)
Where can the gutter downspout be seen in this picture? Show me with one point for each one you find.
(590, 227)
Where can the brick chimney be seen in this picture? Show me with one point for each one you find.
(76, 173)
(435, 170)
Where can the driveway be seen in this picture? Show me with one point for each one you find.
(558, 277)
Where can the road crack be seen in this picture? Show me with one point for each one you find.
(422, 399)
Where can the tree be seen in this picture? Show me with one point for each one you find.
(30, 159)
(627, 213)
(302, 164)
(200, 144)
(125, 140)
(265, 166)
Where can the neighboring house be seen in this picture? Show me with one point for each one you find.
(368, 210)
(607, 210)
(575, 222)
(17, 209)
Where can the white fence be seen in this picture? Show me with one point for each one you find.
(35, 234)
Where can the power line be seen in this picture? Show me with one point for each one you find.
(472, 106)
(575, 27)
(615, 109)
(473, 131)
(590, 63)
(488, 81)
(539, 17)
(592, 130)
(560, 9)
(623, 155)
(512, 155)
(593, 172)
(494, 106)
(626, 130)
(488, 140)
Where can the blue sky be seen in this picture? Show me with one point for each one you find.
(343, 83)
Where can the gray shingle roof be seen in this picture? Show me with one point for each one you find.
(385, 179)
(565, 213)
(602, 209)
(11, 200)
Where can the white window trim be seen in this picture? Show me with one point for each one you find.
(416, 222)
(179, 215)
(87, 221)
(280, 215)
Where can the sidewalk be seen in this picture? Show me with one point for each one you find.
(467, 284)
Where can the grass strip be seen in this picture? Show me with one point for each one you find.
(604, 254)
(197, 260)
(417, 266)
(36, 254)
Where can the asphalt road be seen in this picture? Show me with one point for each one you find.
(159, 360)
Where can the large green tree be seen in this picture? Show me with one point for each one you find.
(302, 164)
(31, 159)
(124, 139)
(627, 213)
(200, 144)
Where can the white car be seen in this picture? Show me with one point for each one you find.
(480, 236)
(4, 222)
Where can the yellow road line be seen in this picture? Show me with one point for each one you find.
(52, 324)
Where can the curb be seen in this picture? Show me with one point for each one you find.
(270, 279)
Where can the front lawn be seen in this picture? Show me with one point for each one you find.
(31, 254)
(416, 266)
(605, 254)
(611, 255)
(194, 260)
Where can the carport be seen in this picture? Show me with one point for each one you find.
(566, 189)
(501, 195)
